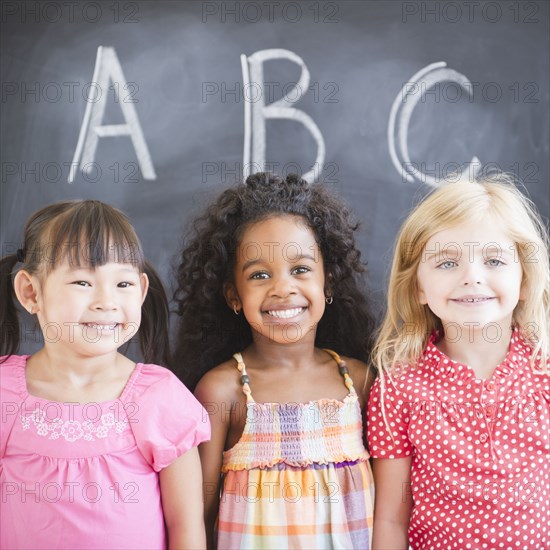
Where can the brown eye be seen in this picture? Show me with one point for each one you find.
(259, 275)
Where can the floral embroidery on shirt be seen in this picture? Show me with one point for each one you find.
(72, 430)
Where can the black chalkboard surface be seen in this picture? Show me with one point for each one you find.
(175, 117)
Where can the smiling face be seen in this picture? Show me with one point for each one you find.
(470, 275)
(90, 311)
(279, 280)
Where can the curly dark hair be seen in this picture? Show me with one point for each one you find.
(209, 332)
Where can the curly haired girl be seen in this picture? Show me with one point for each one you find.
(270, 276)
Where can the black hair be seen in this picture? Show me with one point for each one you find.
(90, 233)
(209, 332)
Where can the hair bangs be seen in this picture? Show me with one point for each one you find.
(91, 234)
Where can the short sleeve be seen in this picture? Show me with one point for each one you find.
(388, 417)
(12, 391)
(166, 418)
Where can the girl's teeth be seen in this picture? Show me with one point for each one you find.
(286, 313)
(102, 327)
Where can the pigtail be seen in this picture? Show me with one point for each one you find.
(153, 332)
(9, 319)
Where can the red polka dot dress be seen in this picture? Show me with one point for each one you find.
(480, 450)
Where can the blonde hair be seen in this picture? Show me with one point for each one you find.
(408, 324)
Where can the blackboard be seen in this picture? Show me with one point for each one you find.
(184, 81)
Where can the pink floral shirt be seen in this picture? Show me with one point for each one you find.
(86, 476)
(480, 450)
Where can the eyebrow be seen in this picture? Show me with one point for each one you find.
(445, 253)
(250, 263)
(499, 249)
(452, 252)
(121, 269)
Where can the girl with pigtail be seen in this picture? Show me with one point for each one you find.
(96, 451)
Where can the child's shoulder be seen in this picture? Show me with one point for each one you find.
(355, 365)
(220, 384)
(12, 373)
(151, 381)
(13, 360)
(361, 374)
(151, 373)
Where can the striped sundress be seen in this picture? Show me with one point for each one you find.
(299, 476)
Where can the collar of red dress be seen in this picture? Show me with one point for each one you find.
(435, 360)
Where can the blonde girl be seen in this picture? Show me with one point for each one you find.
(458, 421)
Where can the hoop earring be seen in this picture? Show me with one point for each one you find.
(329, 300)
(235, 310)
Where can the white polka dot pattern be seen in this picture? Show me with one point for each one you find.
(481, 450)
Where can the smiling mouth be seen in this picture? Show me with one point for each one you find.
(286, 313)
(102, 326)
(472, 300)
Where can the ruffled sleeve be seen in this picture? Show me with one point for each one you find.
(12, 394)
(388, 417)
(166, 418)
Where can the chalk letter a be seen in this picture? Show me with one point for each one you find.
(107, 67)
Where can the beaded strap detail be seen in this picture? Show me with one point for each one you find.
(342, 367)
(245, 380)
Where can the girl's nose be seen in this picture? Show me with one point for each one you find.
(473, 273)
(282, 286)
(104, 300)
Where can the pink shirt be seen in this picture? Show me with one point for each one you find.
(480, 450)
(86, 476)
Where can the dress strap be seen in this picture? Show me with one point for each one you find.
(342, 367)
(245, 381)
